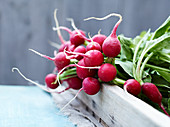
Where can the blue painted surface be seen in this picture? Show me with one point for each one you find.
(28, 106)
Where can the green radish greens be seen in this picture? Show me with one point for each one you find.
(146, 58)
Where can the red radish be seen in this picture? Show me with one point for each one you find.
(74, 83)
(91, 86)
(132, 86)
(83, 73)
(111, 45)
(80, 49)
(67, 46)
(64, 46)
(99, 38)
(91, 58)
(60, 59)
(45, 88)
(107, 72)
(77, 37)
(152, 92)
(93, 46)
(50, 79)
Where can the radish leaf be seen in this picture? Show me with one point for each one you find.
(126, 51)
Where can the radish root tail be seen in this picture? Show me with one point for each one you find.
(103, 18)
(90, 37)
(73, 25)
(29, 80)
(76, 53)
(41, 54)
(87, 67)
(113, 34)
(57, 25)
(71, 100)
(125, 89)
(54, 44)
(59, 75)
(45, 88)
(76, 29)
(161, 106)
(55, 53)
(68, 57)
(99, 32)
(63, 28)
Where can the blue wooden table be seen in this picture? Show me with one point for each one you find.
(29, 106)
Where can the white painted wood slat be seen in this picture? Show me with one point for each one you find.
(119, 109)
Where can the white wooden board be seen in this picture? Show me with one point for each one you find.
(111, 107)
(119, 109)
(78, 112)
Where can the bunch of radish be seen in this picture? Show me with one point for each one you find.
(86, 62)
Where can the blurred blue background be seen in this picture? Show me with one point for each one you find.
(28, 24)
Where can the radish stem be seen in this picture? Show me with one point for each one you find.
(86, 43)
(69, 77)
(119, 81)
(157, 68)
(146, 49)
(144, 63)
(58, 75)
(136, 51)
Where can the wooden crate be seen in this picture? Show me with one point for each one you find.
(111, 107)
(119, 109)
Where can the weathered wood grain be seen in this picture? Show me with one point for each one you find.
(76, 111)
(119, 109)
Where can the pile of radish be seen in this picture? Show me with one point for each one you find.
(86, 62)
